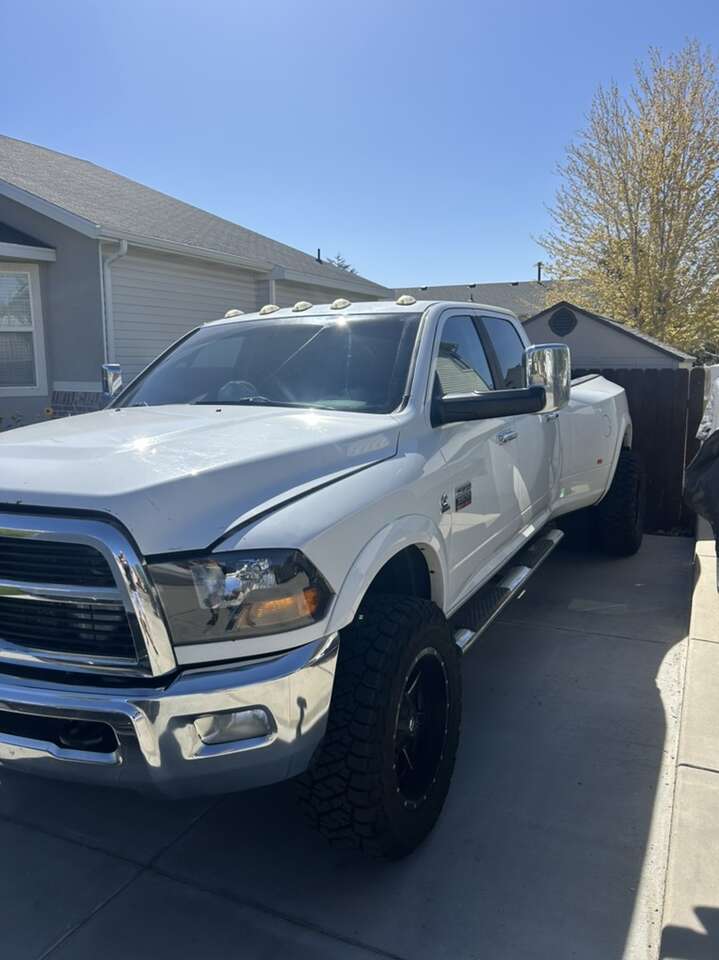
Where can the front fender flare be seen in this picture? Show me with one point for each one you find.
(412, 530)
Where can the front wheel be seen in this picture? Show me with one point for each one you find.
(619, 517)
(382, 772)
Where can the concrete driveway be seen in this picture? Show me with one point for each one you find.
(552, 845)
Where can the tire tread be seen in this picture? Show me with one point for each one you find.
(618, 531)
(341, 792)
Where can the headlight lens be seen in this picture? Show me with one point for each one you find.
(227, 596)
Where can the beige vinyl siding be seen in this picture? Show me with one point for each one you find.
(287, 293)
(157, 298)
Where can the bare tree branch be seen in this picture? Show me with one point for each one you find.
(637, 213)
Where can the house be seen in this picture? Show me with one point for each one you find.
(97, 268)
(597, 342)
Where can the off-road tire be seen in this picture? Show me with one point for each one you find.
(350, 792)
(619, 517)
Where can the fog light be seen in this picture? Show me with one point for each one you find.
(238, 725)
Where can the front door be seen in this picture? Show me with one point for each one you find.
(479, 491)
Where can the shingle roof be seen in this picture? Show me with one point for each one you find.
(622, 327)
(122, 206)
(524, 298)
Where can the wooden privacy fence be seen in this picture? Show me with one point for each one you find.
(666, 407)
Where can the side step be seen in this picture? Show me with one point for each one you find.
(474, 616)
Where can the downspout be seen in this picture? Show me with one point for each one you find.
(108, 327)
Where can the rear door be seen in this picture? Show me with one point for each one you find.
(535, 442)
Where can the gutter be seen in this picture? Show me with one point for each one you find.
(185, 250)
(108, 328)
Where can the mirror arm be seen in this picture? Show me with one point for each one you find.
(459, 408)
(111, 379)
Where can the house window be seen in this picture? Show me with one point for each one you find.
(22, 350)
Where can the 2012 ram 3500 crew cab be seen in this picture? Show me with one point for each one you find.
(267, 556)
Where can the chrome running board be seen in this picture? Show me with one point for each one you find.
(474, 616)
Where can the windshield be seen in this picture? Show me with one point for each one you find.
(358, 363)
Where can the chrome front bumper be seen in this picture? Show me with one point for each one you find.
(158, 745)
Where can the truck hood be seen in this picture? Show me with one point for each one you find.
(179, 477)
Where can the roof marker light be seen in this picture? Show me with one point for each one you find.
(233, 313)
(268, 308)
(405, 300)
(340, 304)
(301, 305)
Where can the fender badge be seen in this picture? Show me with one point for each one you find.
(444, 503)
(462, 496)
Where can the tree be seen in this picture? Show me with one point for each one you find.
(637, 214)
(339, 261)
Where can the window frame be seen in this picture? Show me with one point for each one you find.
(474, 319)
(476, 316)
(37, 329)
(448, 314)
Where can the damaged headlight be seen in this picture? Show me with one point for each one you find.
(226, 596)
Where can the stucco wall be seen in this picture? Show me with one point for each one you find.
(593, 344)
(71, 306)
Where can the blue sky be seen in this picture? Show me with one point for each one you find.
(420, 138)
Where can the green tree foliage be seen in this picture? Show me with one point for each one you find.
(339, 261)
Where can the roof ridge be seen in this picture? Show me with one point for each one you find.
(477, 283)
(59, 153)
(328, 268)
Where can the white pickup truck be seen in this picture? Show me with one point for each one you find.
(265, 559)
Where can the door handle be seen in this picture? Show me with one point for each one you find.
(506, 435)
(551, 416)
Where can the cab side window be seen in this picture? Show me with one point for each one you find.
(509, 351)
(462, 365)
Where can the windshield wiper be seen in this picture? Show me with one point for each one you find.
(257, 401)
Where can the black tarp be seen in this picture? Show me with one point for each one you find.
(701, 482)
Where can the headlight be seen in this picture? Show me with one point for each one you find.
(227, 596)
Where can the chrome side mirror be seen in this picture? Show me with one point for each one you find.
(111, 378)
(549, 365)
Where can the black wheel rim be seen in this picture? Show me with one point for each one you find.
(421, 727)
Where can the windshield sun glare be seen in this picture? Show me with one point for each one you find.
(359, 363)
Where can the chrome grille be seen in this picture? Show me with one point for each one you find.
(74, 594)
(80, 629)
(48, 561)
